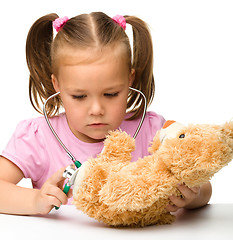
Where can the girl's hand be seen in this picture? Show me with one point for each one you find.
(51, 194)
(189, 195)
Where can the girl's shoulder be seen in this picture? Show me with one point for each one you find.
(151, 124)
(154, 120)
(155, 117)
(38, 123)
(31, 145)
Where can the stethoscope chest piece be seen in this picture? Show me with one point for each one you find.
(70, 173)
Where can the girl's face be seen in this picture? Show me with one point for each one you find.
(94, 92)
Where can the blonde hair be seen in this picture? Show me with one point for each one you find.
(83, 31)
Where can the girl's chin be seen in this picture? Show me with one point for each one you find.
(93, 138)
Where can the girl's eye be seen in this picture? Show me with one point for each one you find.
(111, 94)
(79, 97)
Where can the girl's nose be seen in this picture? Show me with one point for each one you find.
(96, 108)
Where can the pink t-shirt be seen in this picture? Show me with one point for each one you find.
(34, 149)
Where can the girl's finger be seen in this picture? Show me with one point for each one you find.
(57, 177)
(177, 201)
(195, 189)
(59, 194)
(53, 201)
(186, 191)
(70, 193)
(172, 208)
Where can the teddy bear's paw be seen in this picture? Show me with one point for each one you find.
(166, 218)
(118, 146)
(80, 176)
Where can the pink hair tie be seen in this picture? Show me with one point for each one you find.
(58, 23)
(120, 20)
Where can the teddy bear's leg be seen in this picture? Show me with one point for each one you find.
(166, 218)
(156, 215)
(160, 219)
(89, 181)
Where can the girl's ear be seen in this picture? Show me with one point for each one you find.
(131, 77)
(55, 83)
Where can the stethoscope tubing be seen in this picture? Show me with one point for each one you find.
(70, 155)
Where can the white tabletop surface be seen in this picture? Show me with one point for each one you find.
(211, 222)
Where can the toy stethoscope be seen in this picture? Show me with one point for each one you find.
(70, 172)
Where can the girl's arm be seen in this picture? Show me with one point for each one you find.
(26, 201)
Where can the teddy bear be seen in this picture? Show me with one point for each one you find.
(118, 192)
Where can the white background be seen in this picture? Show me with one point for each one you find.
(193, 56)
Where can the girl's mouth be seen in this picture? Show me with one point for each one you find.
(97, 125)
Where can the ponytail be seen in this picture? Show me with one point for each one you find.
(142, 63)
(38, 58)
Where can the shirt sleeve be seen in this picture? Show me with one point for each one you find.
(155, 122)
(26, 149)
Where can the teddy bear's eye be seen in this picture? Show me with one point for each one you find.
(182, 136)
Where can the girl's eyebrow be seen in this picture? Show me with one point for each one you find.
(74, 90)
(114, 87)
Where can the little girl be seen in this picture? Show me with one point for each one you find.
(90, 63)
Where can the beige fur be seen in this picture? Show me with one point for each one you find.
(123, 193)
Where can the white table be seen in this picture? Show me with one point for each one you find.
(211, 222)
